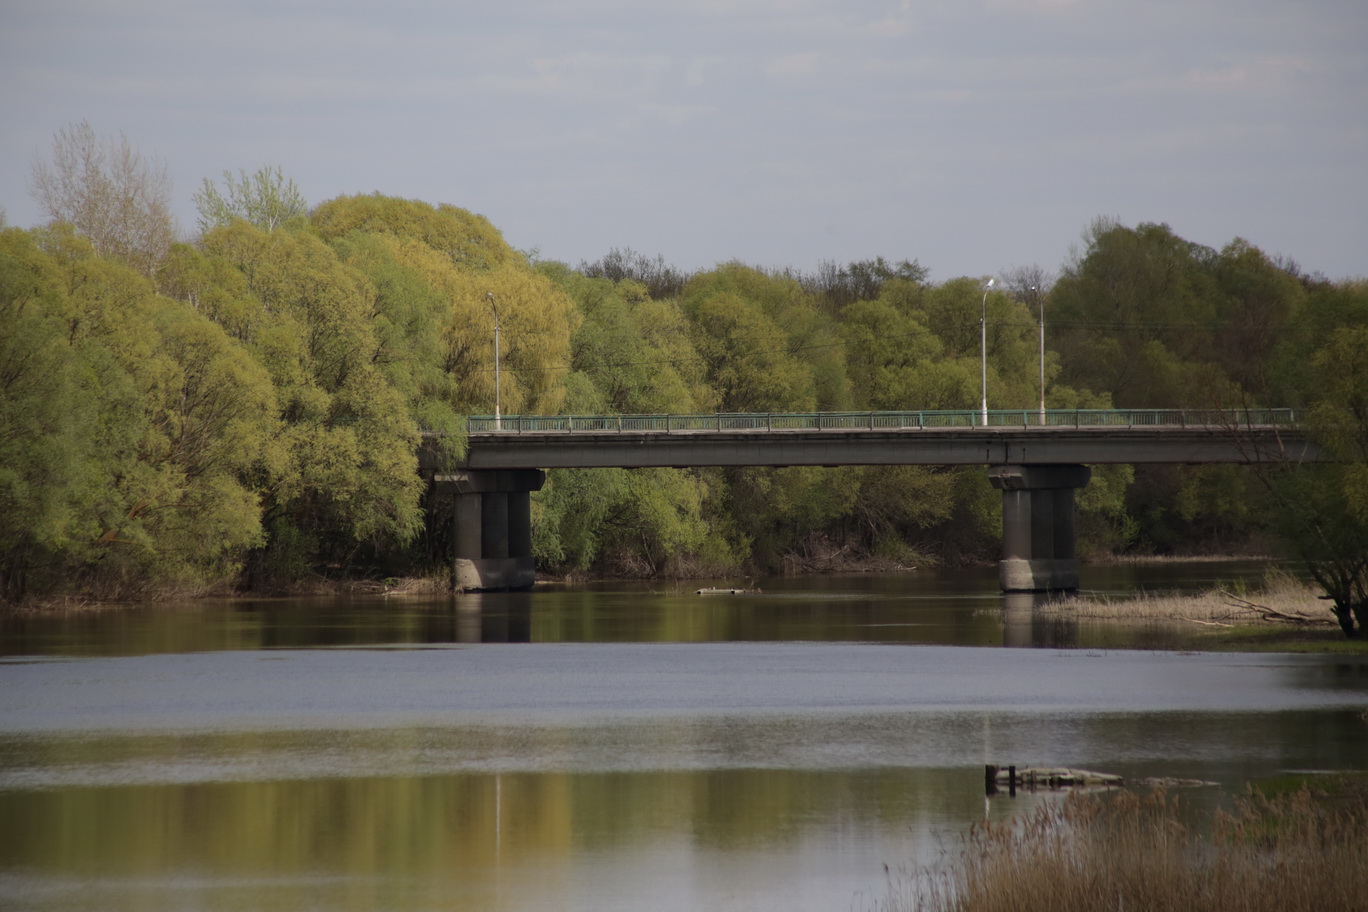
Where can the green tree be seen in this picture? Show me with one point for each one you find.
(537, 321)
(160, 417)
(409, 314)
(641, 522)
(570, 516)
(1135, 318)
(1325, 508)
(214, 287)
(45, 422)
(896, 507)
(631, 354)
(748, 359)
(634, 351)
(952, 312)
(1148, 319)
(342, 473)
(786, 515)
(896, 363)
(748, 322)
(463, 261)
(266, 198)
(467, 240)
(1259, 301)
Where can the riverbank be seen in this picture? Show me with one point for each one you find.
(1279, 614)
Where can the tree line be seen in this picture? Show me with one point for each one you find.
(244, 408)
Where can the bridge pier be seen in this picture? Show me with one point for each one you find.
(493, 527)
(1039, 541)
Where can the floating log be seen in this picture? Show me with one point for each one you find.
(711, 591)
(1051, 777)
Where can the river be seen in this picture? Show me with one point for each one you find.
(611, 747)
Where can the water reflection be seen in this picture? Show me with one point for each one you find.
(489, 617)
(1348, 676)
(1024, 626)
(953, 608)
(652, 748)
(357, 820)
(477, 842)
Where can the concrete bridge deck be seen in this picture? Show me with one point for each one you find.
(1011, 437)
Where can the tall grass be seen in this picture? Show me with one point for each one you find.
(1280, 599)
(1131, 852)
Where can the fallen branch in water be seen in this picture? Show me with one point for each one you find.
(1207, 623)
(1267, 613)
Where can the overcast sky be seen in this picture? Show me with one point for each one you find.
(970, 135)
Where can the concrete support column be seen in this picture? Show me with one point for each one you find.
(494, 531)
(469, 525)
(493, 528)
(1039, 542)
(519, 523)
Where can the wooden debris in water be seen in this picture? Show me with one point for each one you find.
(1033, 778)
(1053, 777)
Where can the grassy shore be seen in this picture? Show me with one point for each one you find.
(1301, 849)
(1283, 615)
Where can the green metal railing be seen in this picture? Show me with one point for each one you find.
(1230, 419)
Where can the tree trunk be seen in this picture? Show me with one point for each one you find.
(1344, 613)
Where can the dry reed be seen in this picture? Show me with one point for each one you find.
(1282, 599)
(1088, 853)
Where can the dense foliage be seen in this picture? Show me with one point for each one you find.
(248, 408)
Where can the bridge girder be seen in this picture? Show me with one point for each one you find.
(923, 446)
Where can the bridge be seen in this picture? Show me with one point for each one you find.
(1038, 459)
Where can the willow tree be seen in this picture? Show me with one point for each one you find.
(896, 363)
(46, 424)
(467, 263)
(140, 475)
(749, 323)
(409, 315)
(343, 470)
(631, 354)
(633, 351)
(468, 240)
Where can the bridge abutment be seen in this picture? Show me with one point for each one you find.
(1039, 540)
(493, 527)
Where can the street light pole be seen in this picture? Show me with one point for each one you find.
(498, 419)
(983, 351)
(1040, 300)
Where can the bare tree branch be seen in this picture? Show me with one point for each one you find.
(110, 193)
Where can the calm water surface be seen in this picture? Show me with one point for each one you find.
(610, 748)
